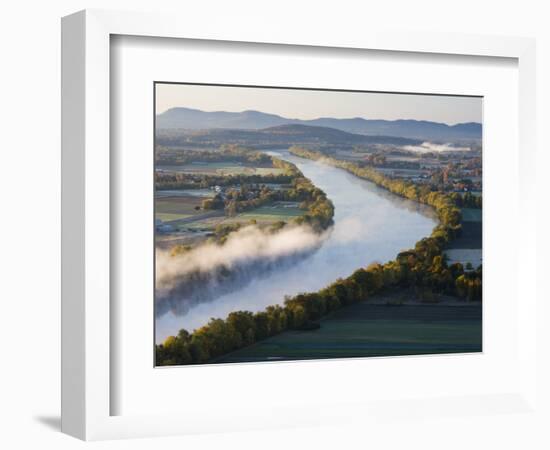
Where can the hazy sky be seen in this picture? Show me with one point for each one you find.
(300, 104)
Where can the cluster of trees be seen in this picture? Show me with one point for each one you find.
(169, 181)
(215, 202)
(320, 209)
(379, 159)
(468, 285)
(423, 268)
(227, 153)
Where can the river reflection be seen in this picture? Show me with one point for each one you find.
(370, 225)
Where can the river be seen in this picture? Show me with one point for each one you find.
(370, 225)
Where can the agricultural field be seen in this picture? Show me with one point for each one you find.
(464, 256)
(189, 226)
(472, 228)
(263, 215)
(203, 223)
(177, 207)
(203, 193)
(467, 247)
(471, 215)
(281, 211)
(168, 241)
(219, 168)
(366, 329)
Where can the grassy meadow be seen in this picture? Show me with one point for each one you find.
(365, 329)
(177, 207)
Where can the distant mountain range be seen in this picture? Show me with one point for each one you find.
(194, 119)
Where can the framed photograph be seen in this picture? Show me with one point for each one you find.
(315, 233)
(269, 229)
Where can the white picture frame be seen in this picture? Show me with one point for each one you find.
(86, 284)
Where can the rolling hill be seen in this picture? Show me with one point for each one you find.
(194, 119)
(285, 135)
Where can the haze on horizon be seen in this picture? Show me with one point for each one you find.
(311, 104)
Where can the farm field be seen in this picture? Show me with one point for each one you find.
(267, 214)
(367, 329)
(467, 247)
(203, 193)
(168, 241)
(220, 168)
(177, 207)
(464, 256)
(471, 215)
(263, 215)
(207, 224)
(182, 208)
(471, 235)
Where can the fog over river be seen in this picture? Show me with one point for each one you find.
(370, 225)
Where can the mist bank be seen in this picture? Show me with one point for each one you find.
(430, 147)
(212, 270)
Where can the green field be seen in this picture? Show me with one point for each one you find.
(470, 236)
(471, 215)
(203, 224)
(267, 214)
(203, 193)
(464, 256)
(471, 233)
(365, 329)
(183, 207)
(168, 217)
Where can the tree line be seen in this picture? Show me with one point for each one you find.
(467, 200)
(180, 180)
(165, 156)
